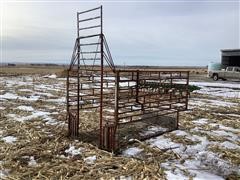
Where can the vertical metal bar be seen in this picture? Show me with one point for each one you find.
(116, 96)
(171, 90)
(171, 79)
(77, 25)
(78, 88)
(68, 116)
(137, 87)
(177, 120)
(116, 104)
(111, 137)
(101, 87)
(159, 78)
(187, 90)
(114, 143)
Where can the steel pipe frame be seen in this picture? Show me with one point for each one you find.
(136, 94)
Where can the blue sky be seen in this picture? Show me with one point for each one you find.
(187, 33)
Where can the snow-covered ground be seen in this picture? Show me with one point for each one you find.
(208, 130)
(221, 89)
(200, 148)
(33, 102)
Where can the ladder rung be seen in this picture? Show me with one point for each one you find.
(89, 52)
(90, 59)
(90, 27)
(90, 44)
(89, 10)
(94, 35)
(89, 19)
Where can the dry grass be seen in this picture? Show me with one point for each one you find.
(16, 71)
(48, 143)
(60, 70)
(53, 162)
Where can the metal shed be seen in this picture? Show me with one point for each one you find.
(230, 57)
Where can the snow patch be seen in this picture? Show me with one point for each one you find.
(3, 173)
(133, 151)
(12, 96)
(211, 103)
(170, 175)
(179, 133)
(229, 145)
(90, 159)
(201, 121)
(125, 178)
(223, 89)
(197, 175)
(196, 157)
(229, 135)
(34, 115)
(212, 160)
(44, 94)
(73, 151)
(163, 143)
(221, 92)
(59, 100)
(228, 128)
(153, 129)
(8, 96)
(51, 121)
(9, 139)
(203, 175)
(216, 84)
(32, 161)
(2, 108)
(53, 76)
(25, 108)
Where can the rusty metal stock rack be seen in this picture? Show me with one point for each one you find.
(120, 97)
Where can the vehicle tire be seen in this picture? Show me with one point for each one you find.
(215, 77)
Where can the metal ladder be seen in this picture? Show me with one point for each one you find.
(89, 53)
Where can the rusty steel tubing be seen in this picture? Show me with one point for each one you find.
(101, 86)
(119, 96)
(83, 12)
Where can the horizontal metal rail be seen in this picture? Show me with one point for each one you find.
(90, 52)
(145, 113)
(89, 19)
(88, 10)
(89, 44)
(90, 36)
(158, 115)
(152, 71)
(89, 27)
(89, 59)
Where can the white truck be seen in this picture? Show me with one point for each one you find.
(231, 72)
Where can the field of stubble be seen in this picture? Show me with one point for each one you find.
(34, 142)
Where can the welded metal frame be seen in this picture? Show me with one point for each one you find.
(119, 96)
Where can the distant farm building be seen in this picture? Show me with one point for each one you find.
(230, 57)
